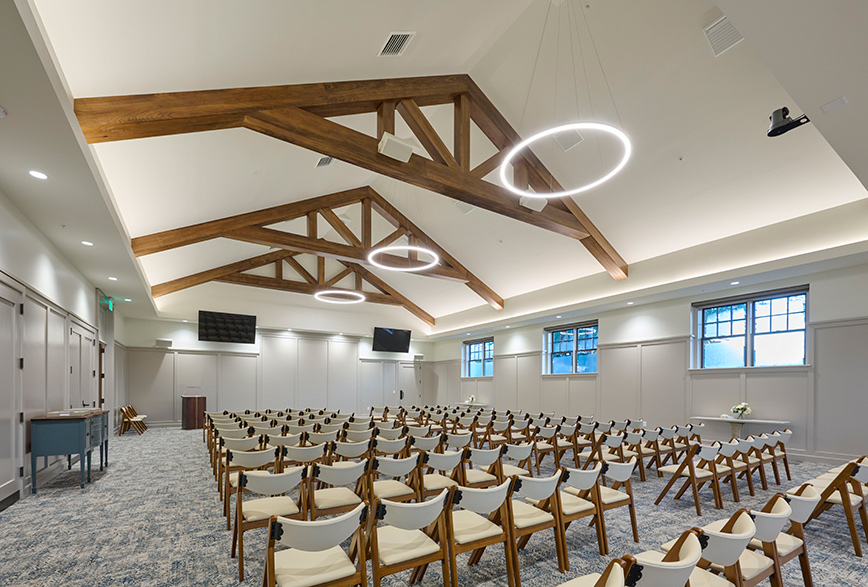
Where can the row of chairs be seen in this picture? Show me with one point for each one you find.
(742, 550)
(130, 419)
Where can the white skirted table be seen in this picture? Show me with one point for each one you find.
(737, 425)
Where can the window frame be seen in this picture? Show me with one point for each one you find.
(548, 345)
(467, 349)
(750, 325)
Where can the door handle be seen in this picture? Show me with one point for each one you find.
(402, 394)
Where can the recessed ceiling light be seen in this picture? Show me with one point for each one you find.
(289, 329)
(558, 316)
(113, 278)
(38, 174)
(340, 333)
(733, 283)
(184, 320)
(468, 334)
(87, 243)
(629, 303)
(127, 300)
(507, 326)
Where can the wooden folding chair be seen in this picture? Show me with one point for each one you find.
(845, 489)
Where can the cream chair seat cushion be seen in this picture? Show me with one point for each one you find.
(478, 476)
(397, 545)
(785, 543)
(335, 497)
(387, 488)
(437, 481)
(497, 438)
(260, 509)
(510, 470)
(607, 456)
(299, 568)
(610, 496)
(573, 504)
(470, 526)
(525, 515)
(544, 446)
(752, 563)
(700, 472)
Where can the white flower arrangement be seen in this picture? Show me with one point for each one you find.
(471, 399)
(741, 410)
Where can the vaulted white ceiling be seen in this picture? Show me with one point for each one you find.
(702, 168)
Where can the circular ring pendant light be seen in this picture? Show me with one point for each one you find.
(372, 257)
(617, 133)
(339, 296)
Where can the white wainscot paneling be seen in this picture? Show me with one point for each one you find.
(780, 396)
(237, 389)
(57, 369)
(555, 395)
(619, 369)
(583, 395)
(663, 384)
(35, 343)
(121, 391)
(485, 391)
(279, 357)
(343, 360)
(196, 375)
(371, 388)
(430, 384)
(841, 401)
(505, 373)
(528, 371)
(152, 384)
(469, 387)
(713, 394)
(313, 359)
(453, 383)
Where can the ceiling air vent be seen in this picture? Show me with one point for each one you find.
(722, 35)
(324, 162)
(396, 44)
(567, 139)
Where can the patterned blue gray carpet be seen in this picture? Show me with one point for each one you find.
(153, 519)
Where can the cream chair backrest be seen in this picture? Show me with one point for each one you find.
(537, 488)
(445, 461)
(803, 505)
(728, 449)
(251, 459)
(587, 419)
(395, 467)
(425, 443)
(240, 444)
(619, 472)
(517, 452)
(482, 501)
(582, 479)
(724, 548)
(391, 447)
(412, 516)
(418, 430)
(650, 434)
(706, 452)
(339, 476)
(289, 440)
(359, 435)
(651, 573)
(770, 524)
(482, 457)
(321, 437)
(667, 433)
(634, 438)
(587, 427)
(351, 450)
(458, 440)
(318, 535)
(613, 440)
(389, 433)
(266, 483)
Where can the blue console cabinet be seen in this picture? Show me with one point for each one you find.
(69, 433)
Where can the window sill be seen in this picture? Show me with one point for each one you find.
(570, 375)
(729, 370)
(482, 377)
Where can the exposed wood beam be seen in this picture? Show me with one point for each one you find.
(278, 270)
(341, 228)
(421, 127)
(313, 132)
(490, 164)
(388, 211)
(308, 288)
(385, 242)
(189, 281)
(461, 131)
(392, 292)
(335, 279)
(312, 224)
(324, 248)
(116, 118)
(503, 135)
(320, 269)
(299, 268)
(386, 118)
(366, 223)
(179, 237)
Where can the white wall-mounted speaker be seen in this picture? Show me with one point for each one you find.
(164, 342)
(392, 146)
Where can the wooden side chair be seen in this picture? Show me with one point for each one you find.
(255, 513)
(412, 536)
(845, 490)
(672, 569)
(580, 498)
(479, 467)
(695, 474)
(612, 497)
(401, 484)
(238, 461)
(791, 544)
(439, 471)
(515, 461)
(314, 556)
(479, 519)
(328, 491)
(129, 419)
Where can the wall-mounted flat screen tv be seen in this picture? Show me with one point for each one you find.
(391, 340)
(222, 327)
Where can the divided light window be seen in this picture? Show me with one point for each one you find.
(572, 348)
(478, 358)
(763, 330)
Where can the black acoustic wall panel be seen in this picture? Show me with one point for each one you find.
(222, 327)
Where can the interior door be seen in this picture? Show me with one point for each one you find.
(8, 383)
(407, 391)
(75, 350)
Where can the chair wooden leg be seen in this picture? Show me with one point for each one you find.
(787, 467)
(632, 509)
(696, 496)
(851, 523)
(762, 472)
(806, 567)
(776, 472)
